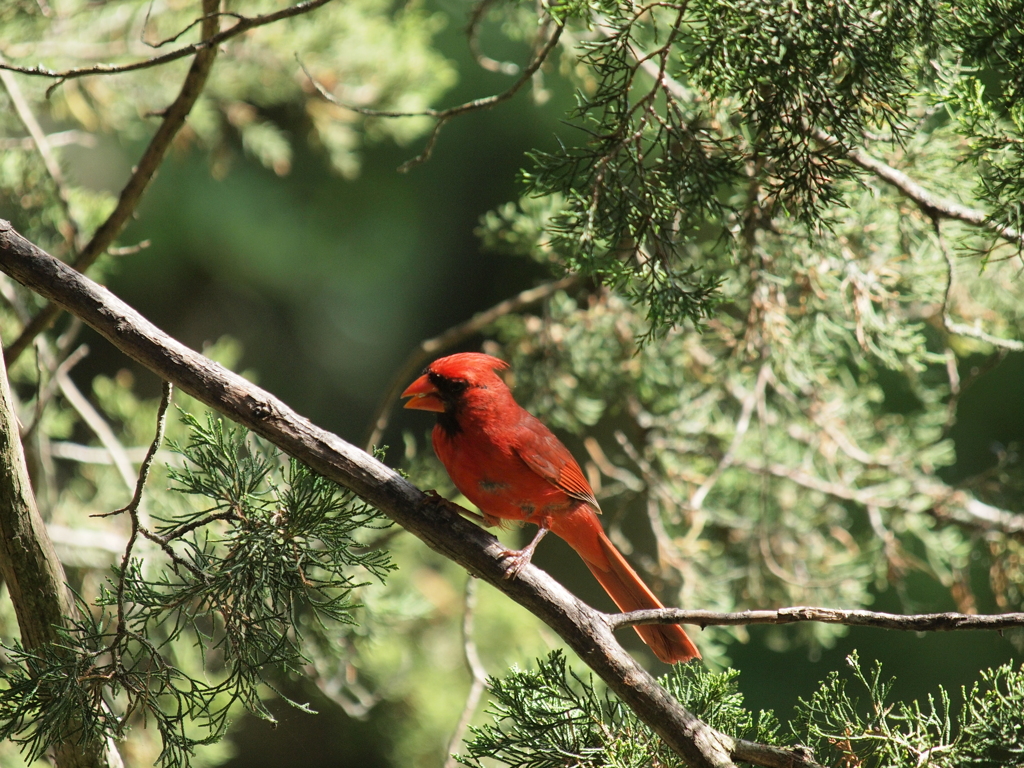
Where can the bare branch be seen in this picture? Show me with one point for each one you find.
(181, 32)
(91, 454)
(585, 630)
(442, 116)
(46, 392)
(953, 504)
(456, 335)
(208, 43)
(132, 508)
(85, 547)
(129, 250)
(933, 205)
(165, 539)
(95, 421)
(962, 508)
(742, 425)
(607, 468)
(922, 622)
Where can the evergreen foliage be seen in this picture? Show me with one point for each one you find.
(705, 122)
(765, 366)
(792, 447)
(267, 557)
(552, 717)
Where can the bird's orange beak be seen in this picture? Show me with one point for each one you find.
(424, 396)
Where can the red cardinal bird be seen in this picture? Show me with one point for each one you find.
(512, 467)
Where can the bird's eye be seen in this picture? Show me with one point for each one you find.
(447, 385)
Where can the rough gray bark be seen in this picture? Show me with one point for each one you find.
(34, 576)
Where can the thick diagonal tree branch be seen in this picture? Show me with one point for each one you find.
(587, 631)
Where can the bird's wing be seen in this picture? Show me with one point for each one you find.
(544, 453)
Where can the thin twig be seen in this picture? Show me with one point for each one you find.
(898, 562)
(87, 538)
(145, 169)
(476, 670)
(132, 508)
(176, 559)
(147, 463)
(949, 503)
(54, 362)
(476, 16)
(962, 329)
(667, 550)
(95, 421)
(742, 425)
(46, 392)
(963, 509)
(345, 690)
(452, 337)
(442, 116)
(209, 42)
(178, 35)
(177, 533)
(130, 250)
(92, 454)
(59, 139)
(607, 468)
(922, 622)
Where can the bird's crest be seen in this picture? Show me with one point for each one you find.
(467, 366)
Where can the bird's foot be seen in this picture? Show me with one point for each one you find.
(517, 559)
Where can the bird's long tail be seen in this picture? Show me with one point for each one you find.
(584, 533)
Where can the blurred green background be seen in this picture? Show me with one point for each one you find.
(328, 283)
